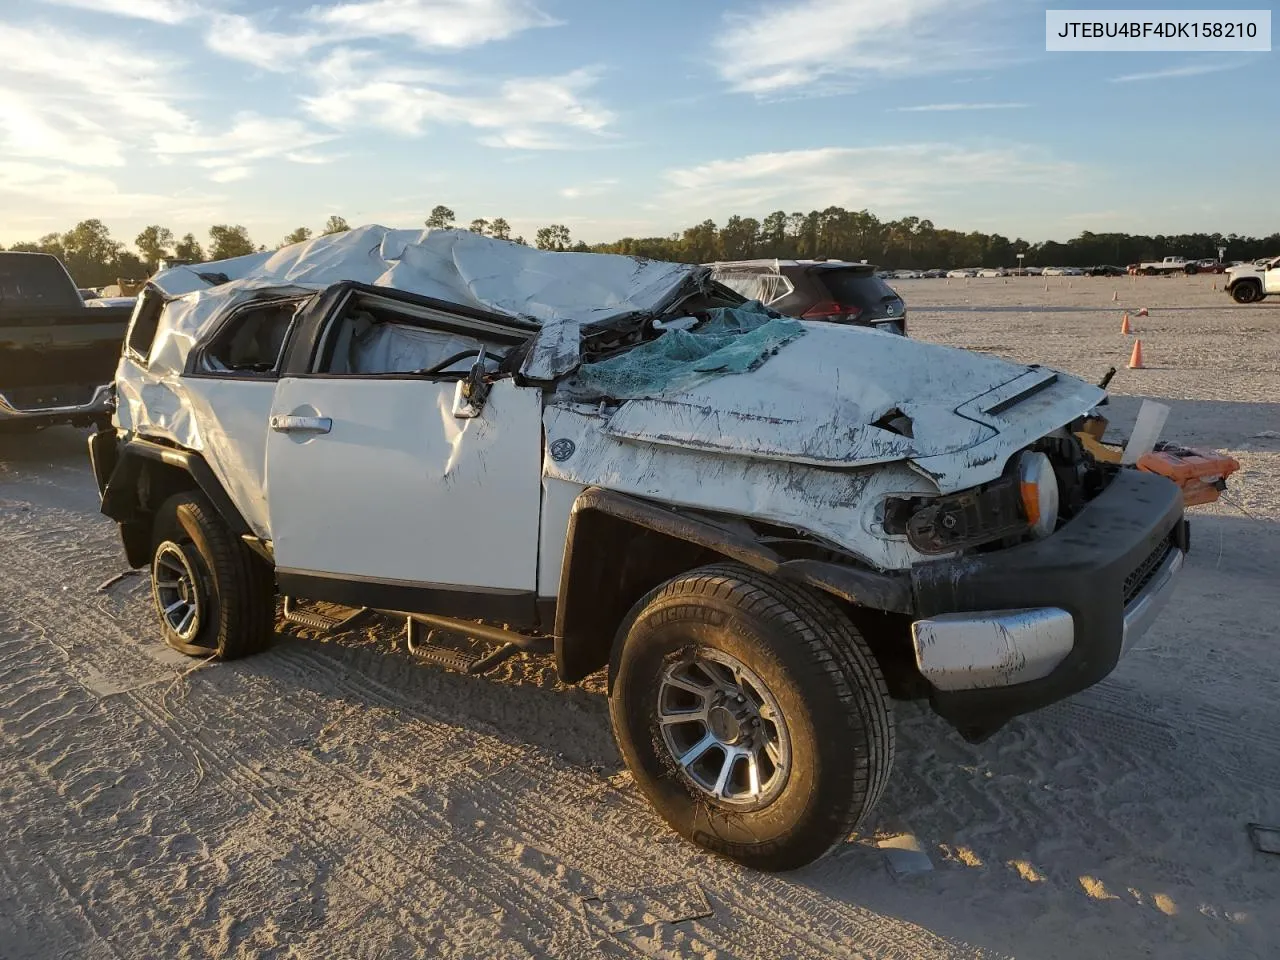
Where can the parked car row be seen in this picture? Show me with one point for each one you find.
(968, 273)
(1170, 266)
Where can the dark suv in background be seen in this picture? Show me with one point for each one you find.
(837, 291)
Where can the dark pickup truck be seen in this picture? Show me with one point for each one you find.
(57, 355)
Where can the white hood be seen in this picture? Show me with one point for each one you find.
(846, 397)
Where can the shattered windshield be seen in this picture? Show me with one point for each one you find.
(688, 351)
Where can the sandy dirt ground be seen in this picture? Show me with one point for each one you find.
(335, 798)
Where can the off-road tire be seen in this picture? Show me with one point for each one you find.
(821, 673)
(1246, 291)
(236, 587)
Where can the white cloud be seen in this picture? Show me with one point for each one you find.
(532, 113)
(311, 159)
(240, 38)
(230, 154)
(250, 137)
(1191, 70)
(950, 107)
(355, 88)
(885, 178)
(59, 103)
(429, 24)
(781, 46)
(31, 128)
(448, 24)
(90, 73)
(595, 188)
(229, 174)
(159, 11)
(55, 196)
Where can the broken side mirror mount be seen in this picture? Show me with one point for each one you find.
(471, 391)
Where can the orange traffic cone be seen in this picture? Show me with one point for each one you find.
(1124, 324)
(1135, 360)
(1115, 297)
(1143, 312)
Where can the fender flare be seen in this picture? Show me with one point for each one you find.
(118, 466)
(598, 583)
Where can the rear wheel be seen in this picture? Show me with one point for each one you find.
(752, 715)
(1246, 291)
(214, 596)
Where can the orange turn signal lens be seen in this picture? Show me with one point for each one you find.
(1038, 490)
(1031, 501)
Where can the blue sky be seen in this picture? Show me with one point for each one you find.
(616, 118)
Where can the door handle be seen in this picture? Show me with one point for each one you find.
(291, 424)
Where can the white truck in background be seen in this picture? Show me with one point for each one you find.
(1251, 282)
(1168, 265)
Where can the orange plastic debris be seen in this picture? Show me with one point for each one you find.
(1201, 474)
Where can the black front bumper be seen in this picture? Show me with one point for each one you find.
(1092, 568)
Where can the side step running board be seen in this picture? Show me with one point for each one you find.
(319, 621)
(512, 643)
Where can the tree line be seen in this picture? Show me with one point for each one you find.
(912, 243)
(94, 258)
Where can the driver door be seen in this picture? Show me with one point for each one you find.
(380, 496)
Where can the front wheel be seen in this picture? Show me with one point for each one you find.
(752, 715)
(215, 597)
(1246, 292)
(1191, 269)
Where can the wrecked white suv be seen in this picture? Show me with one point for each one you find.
(765, 529)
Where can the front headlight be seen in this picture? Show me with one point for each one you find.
(966, 519)
(1038, 486)
(1023, 501)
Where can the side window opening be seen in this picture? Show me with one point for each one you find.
(145, 323)
(252, 342)
(371, 342)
